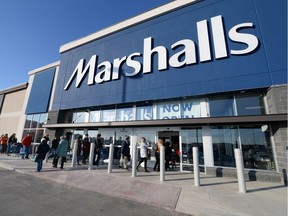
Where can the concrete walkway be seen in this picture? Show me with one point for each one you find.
(215, 196)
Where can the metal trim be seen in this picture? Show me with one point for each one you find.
(211, 121)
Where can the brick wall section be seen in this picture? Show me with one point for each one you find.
(277, 99)
(277, 104)
(54, 118)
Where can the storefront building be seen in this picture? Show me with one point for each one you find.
(209, 73)
(12, 109)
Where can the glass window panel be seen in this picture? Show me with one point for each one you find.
(124, 114)
(168, 110)
(221, 107)
(35, 121)
(144, 113)
(256, 148)
(108, 115)
(79, 117)
(250, 105)
(92, 135)
(28, 121)
(42, 120)
(191, 138)
(38, 135)
(94, 116)
(224, 141)
(190, 109)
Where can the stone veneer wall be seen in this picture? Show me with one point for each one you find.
(277, 104)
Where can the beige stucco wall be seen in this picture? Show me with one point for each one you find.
(11, 113)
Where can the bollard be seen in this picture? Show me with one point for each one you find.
(134, 156)
(111, 157)
(91, 155)
(240, 170)
(74, 154)
(162, 163)
(196, 167)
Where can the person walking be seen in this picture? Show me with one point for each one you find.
(42, 150)
(168, 152)
(26, 142)
(54, 146)
(157, 155)
(4, 141)
(143, 154)
(125, 153)
(11, 141)
(85, 148)
(79, 149)
(98, 149)
(61, 152)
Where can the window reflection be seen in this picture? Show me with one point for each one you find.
(256, 148)
(79, 117)
(191, 138)
(221, 107)
(108, 115)
(34, 124)
(250, 105)
(255, 145)
(124, 114)
(224, 142)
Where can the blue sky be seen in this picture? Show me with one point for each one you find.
(32, 31)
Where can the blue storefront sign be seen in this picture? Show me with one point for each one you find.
(211, 46)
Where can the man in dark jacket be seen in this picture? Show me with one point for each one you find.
(98, 149)
(85, 148)
(125, 153)
(42, 150)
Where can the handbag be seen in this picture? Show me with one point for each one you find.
(35, 158)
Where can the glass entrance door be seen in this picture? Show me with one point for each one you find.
(190, 138)
(171, 140)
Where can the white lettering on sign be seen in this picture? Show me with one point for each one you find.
(184, 54)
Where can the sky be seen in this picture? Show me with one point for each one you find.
(32, 31)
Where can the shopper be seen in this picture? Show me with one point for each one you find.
(125, 153)
(143, 154)
(85, 148)
(55, 143)
(11, 141)
(26, 142)
(42, 150)
(98, 149)
(61, 152)
(157, 155)
(4, 141)
(79, 149)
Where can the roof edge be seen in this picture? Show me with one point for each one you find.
(45, 67)
(14, 88)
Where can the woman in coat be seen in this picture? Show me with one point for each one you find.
(143, 153)
(61, 152)
(42, 150)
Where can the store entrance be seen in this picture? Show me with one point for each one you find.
(172, 149)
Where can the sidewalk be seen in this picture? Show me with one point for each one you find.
(215, 196)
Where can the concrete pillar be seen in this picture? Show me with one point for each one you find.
(134, 155)
(91, 155)
(196, 167)
(162, 163)
(240, 170)
(74, 154)
(111, 157)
